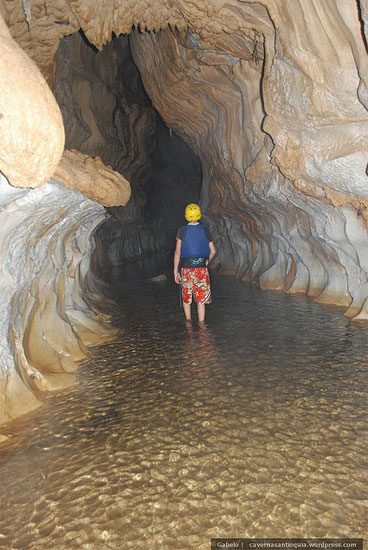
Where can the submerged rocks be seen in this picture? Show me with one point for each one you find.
(159, 278)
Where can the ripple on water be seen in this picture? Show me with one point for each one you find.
(254, 426)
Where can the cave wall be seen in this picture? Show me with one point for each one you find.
(107, 112)
(149, 223)
(105, 109)
(281, 128)
(48, 296)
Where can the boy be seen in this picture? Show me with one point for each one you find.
(194, 250)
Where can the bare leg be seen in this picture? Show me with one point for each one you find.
(201, 308)
(187, 311)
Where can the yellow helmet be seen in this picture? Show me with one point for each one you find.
(192, 212)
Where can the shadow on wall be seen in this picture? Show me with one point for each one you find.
(149, 222)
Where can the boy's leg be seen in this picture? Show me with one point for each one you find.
(186, 289)
(187, 311)
(202, 292)
(201, 308)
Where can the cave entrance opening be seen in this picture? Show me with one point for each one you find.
(108, 113)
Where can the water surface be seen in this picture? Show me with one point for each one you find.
(253, 426)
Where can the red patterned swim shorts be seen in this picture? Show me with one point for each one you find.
(195, 281)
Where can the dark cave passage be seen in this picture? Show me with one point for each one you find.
(107, 113)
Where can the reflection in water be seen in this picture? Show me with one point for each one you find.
(252, 426)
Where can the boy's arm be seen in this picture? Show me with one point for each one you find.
(177, 260)
(212, 251)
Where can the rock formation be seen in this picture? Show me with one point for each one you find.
(26, 123)
(47, 292)
(285, 169)
(273, 98)
(93, 178)
(106, 111)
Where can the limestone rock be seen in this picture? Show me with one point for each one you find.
(31, 127)
(106, 111)
(289, 211)
(48, 21)
(93, 178)
(48, 296)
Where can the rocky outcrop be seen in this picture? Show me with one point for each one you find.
(48, 295)
(29, 118)
(93, 178)
(106, 111)
(285, 169)
(39, 28)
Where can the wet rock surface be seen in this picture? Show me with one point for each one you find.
(253, 426)
(48, 293)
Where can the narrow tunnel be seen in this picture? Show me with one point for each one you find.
(121, 424)
(107, 113)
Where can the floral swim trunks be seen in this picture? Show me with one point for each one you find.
(195, 281)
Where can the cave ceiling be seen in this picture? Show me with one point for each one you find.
(306, 83)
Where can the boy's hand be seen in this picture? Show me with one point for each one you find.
(177, 277)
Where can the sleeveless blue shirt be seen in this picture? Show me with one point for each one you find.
(195, 243)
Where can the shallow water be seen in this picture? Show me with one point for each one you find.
(253, 426)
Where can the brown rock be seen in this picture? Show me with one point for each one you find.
(93, 178)
(31, 127)
(159, 278)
